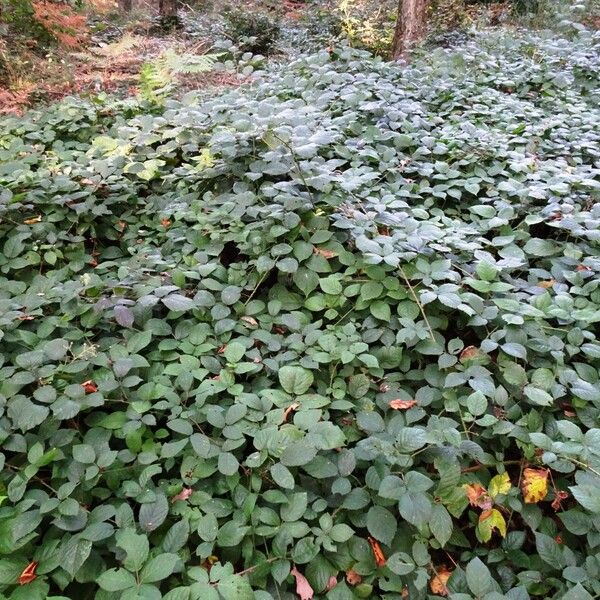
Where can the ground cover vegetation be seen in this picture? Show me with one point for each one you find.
(332, 334)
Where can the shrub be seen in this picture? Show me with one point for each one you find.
(338, 328)
(252, 30)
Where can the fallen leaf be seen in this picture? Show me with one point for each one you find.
(89, 386)
(290, 409)
(534, 485)
(401, 404)
(331, 583)
(303, 589)
(469, 353)
(184, 494)
(380, 559)
(353, 578)
(477, 495)
(33, 220)
(577, 268)
(28, 574)
(325, 252)
(437, 584)
(250, 321)
(546, 284)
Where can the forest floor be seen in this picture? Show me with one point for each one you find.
(111, 54)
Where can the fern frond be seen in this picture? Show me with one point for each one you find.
(188, 63)
(117, 48)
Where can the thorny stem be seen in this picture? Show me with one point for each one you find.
(414, 295)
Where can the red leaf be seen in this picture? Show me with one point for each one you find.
(380, 559)
(89, 386)
(184, 494)
(303, 589)
(28, 574)
(401, 404)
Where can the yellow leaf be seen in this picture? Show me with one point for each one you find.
(534, 485)
(488, 521)
(500, 484)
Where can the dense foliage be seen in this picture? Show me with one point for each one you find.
(338, 325)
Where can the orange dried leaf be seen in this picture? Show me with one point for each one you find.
(33, 220)
(303, 589)
(28, 574)
(546, 284)
(534, 485)
(437, 584)
(353, 578)
(402, 404)
(477, 495)
(380, 559)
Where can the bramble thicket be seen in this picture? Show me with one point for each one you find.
(328, 332)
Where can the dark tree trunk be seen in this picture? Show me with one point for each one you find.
(411, 25)
(167, 8)
(125, 5)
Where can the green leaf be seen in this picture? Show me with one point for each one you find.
(159, 568)
(295, 508)
(549, 550)
(381, 310)
(479, 578)
(381, 524)
(295, 380)
(116, 580)
(440, 524)
(282, 477)
(231, 534)
(136, 548)
(153, 514)
(234, 352)
(177, 302)
(235, 587)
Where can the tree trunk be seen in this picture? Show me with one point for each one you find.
(411, 25)
(167, 8)
(125, 5)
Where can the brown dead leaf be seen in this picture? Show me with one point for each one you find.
(469, 353)
(33, 220)
(402, 404)
(325, 252)
(290, 409)
(437, 584)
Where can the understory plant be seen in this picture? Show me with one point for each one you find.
(332, 335)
